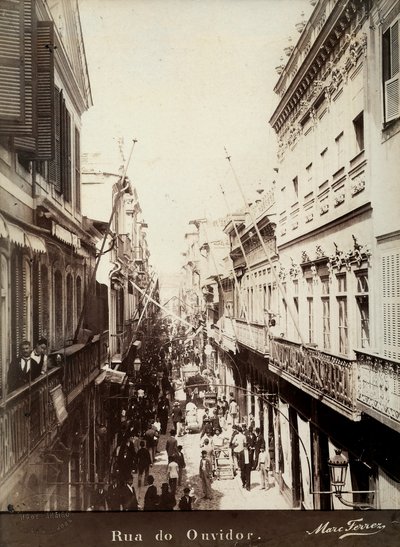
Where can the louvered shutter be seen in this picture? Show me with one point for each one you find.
(392, 86)
(391, 304)
(55, 164)
(16, 302)
(77, 170)
(36, 310)
(11, 62)
(67, 190)
(45, 94)
(18, 70)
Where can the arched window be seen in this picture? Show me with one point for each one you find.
(70, 306)
(4, 321)
(44, 297)
(27, 300)
(78, 296)
(58, 309)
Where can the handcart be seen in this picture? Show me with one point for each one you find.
(222, 463)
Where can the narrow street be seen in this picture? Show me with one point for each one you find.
(228, 494)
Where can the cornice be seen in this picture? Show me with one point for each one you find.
(320, 56)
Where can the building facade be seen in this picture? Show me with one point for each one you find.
(47, 254)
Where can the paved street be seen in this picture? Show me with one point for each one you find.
(228, 494)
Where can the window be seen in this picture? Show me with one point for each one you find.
(310, 310)
(342, 314)
(79, 295)
(339, 150)
(296, 295)
(358, 124)
(390, 68)
(363, 309)
(4, 319)
(309, 171)
(296, 186)
(324, 164)
(60, 166)
(391, 304)
(326, 313)
(70, 305)
(58, 309)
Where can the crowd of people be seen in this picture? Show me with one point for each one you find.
(142, 422)
(241, 445)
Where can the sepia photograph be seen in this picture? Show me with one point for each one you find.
(199, 272)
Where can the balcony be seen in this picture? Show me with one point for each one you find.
(330, 378)
(252, 335)
(28, 414)
(124, 249)
(379, 388)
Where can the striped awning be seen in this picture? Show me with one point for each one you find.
(21, 237)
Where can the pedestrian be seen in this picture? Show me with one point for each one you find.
(245, 469)
(251, 445)
(150, 436)
(157, 427)
(238, 448)
(143, 459)
(177, 417)
(207, 447)
(114, 495)
(151, 497)
(205, 473)
(163, 413)
(173, 475)
(167, 500)
(129, 498)
(171, 446)
(264, 465)
(125, 460)
(233, 410)
(19, 372)
(180, 460)
(99, 501)
(39, 359)
(186, 501)
(259, 443)
(225, 406)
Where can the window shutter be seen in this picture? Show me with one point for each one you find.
(16, 289)
(77, 170)
(391, 304)
(37, 313)
(55, 164)
(392, 86)
(45, 94)
(18, 70)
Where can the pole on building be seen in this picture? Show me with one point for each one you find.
(277, 280)
(103, 243)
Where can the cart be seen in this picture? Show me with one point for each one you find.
(222, 463)
(192, 424)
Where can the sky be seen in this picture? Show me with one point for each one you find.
(186, 78)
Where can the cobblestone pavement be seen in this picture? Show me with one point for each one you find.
(228, 494)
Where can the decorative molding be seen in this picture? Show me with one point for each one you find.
(339, 198)
(324, 208)
(357, 186)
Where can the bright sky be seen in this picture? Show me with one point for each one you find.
(186, 78)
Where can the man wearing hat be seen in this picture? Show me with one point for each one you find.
(185, 503)
(177, 417)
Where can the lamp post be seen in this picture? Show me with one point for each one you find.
(136, 365)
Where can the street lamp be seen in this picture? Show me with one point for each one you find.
(136, 364)
(338, 471)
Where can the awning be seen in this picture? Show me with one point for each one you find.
(21, 237)
(16, 234)
(35, 243)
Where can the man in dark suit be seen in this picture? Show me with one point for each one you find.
(19, 372)
(185, 503)
(128, 497)
(39, 359)
(151, 497)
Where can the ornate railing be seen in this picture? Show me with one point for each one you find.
(379, 385)
(252, 335)
(27, 414)
(324, 374)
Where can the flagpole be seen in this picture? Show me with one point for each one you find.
(277, 280)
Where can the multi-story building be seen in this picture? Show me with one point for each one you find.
(47, 254)
(315, 306)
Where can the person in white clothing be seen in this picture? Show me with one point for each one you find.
(263, 465)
